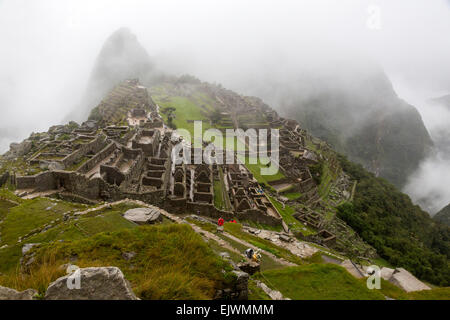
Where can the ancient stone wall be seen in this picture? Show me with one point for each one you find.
(99, 157)
(91, 147)
(259, 217)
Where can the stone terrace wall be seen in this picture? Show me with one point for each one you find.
(99, 157)
(93, 146)
(259, 217)
(26, 182)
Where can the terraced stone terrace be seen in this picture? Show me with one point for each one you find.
(124, 151)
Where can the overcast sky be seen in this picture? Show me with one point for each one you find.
(48, 47)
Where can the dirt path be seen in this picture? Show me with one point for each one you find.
(204, 233)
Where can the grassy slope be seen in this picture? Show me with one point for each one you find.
(158, 271)
(255, 169)
(286, 213)
(318, 282)
(33, 214)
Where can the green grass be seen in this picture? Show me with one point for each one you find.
(267, 263)
(186, 110)
(217, 248)
(286, 213)
(4, 208)
(7, 194)
(256, 293)
(325, 181)
(30, 215)
(255, 169)
(257, 225)
(392, 291)
(292, 195)
(236, 230)
(77, 165)
(158, 271)
(218, 194)
(434, 294)
(202, 224)
(318, 282)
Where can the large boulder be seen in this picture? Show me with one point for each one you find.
(406, 281)
(104, 283)
(143, 215)
(11, 294)
(386, 273)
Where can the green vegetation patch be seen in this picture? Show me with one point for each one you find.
(255, 292)
(30, 215)
(292, 195)
(286, 213)
(171, 261)
(218, 195)
(318, 282)
(255, 169)
(400, 231)
(236, 230)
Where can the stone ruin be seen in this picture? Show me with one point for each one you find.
(124, 151)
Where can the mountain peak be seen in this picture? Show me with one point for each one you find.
(121, 57)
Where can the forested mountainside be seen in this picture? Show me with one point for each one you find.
(443, 215)
(401, 232)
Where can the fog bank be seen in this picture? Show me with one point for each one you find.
(49, 49)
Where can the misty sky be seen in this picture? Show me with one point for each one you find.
(48, 47)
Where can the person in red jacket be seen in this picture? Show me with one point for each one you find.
(220, 222)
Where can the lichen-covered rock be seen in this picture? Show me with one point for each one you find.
(249, 267)
(143, 215)
(11, 294)
(104, 283)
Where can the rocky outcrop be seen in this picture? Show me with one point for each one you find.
(249, 267)
(273, 294)
(143, 215)
(121, 57)
(11, 294)
(18, 149)
(104, 283)
(239, 291)
(406, 281)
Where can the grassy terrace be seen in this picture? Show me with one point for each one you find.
(236, 230)
(318, 282)
(286, 213)
(219, 202)
(292, 195)
(34, 215)
(77, 165)
(255, 169)
(157, 271)
(197, 106)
